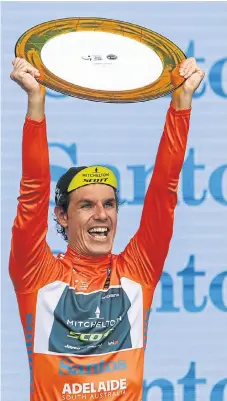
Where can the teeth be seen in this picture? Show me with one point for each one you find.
(99, 238)
(98, 229)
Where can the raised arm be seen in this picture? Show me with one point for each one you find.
(146, 253)
(31, 260)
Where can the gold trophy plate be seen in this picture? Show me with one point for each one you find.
(102, 59)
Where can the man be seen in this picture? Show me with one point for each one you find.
(85, 313)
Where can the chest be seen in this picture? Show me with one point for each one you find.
(84, 323)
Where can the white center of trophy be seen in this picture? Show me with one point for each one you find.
(101, 61)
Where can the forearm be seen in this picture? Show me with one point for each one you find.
(36, 105)
(157, 220)
(181, 100)
(35, 154)
(35, 183)
(28, 246)
(171, 151)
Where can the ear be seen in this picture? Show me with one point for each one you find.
(62, 216)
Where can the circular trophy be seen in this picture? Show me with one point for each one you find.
(101, 59)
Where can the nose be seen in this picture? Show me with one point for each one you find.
(100, 213)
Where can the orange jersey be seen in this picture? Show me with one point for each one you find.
(85, 318)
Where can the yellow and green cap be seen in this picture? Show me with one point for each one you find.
(77, 177)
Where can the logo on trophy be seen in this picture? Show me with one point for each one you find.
(101, 59)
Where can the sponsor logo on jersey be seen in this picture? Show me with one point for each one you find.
(67, 367)
(72, 347)
(96, 321)
(116, 386)
(81, 285)
(29, 335)
(96, 329)
(114, 342)
(110, 296)
(89, 336)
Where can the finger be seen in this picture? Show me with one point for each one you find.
(31, 70)
(186, 64)
(19, 64)
(189, 72)
(193, 69)
(24, 66)
(188, 61)
(16, 61)
(12, 76)
(35, 74)
(189, 67)
(201, 73)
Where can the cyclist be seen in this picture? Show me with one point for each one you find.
(85, 313)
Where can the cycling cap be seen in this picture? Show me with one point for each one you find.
(77, 177)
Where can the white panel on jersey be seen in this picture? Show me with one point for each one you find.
(135, 313)
(47, 300)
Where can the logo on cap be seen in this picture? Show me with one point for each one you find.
(93, 175)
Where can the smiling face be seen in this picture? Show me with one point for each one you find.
(91, 219)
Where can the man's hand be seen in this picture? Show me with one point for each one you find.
(24, 74)
(193, 75)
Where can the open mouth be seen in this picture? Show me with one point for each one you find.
(99, 233)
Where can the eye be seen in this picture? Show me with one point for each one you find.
(109, 204)
(87, 205)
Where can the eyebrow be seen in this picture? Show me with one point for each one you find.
(110, 200)
(84, 200)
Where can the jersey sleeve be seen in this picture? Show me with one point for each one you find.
(31, 260)
(144, 257)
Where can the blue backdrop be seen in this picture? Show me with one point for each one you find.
(186, 357)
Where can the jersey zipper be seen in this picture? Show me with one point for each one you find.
(108, 275)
